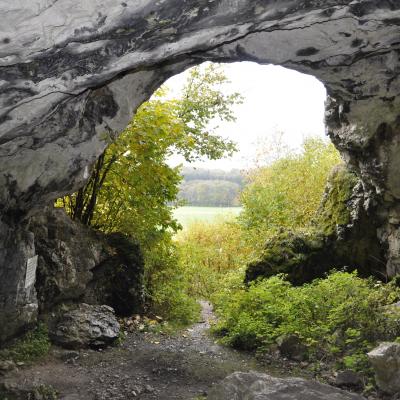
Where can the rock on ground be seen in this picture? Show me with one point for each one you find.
(85, 326)
(258, 386)
(385, 360)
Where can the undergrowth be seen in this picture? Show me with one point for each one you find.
(338, 319)
(31, 347)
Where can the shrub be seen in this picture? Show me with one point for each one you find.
(287, 193)
(339, 317)
(208, 251)
(167, 285)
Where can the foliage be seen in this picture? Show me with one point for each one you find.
(208, 251)
(44, 392)
(33, 346)
(287, 193)
(167, 283)
(132, 184)
(340, 317)
(132, 188)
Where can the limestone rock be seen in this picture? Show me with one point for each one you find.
(68, 252)
(118, 280)
(257, 386)
(385, 360)
(76, 263)
(85, 326)
(7, 365)
(18, 302)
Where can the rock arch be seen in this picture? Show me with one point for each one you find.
(73, 72)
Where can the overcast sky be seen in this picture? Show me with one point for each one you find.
(275, 100)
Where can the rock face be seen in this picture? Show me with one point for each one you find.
(85, 326)
(257, 386)
(18, 302)
(343, 235)
(68, 252)
(72, 73)
(385, 360)
(75, 263)
(118, 280)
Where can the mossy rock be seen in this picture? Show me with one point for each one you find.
(335, 209)
(341, 236)
(302, 256)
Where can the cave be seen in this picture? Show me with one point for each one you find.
(72, 75)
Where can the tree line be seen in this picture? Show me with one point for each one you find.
(211, 188)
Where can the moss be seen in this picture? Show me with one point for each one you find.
(309, 254)
(31, 347)
(301, 255)
(335, 210)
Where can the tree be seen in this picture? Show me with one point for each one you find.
(131, 184)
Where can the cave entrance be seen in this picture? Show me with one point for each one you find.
(66, 92)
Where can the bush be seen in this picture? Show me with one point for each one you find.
(208, 251)
(167, 285)
(287, 193)
(31, 347)
(340, 317)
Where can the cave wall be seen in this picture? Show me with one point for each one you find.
(72, 73)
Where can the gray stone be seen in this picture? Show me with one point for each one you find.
(18, 304)
(85, 326)
(77, 263)
(257, 386)
(73, 74)
(348, 378)
(291, 346)
(68, 252)
(385, 360)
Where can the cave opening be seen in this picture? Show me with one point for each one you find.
(71, 77)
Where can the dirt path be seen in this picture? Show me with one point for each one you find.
(146, 366)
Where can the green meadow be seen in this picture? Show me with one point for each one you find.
(188, 215)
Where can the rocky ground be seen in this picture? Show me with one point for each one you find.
(146, 366)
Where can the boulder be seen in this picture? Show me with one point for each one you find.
(385, 360)
(78, 264)
(348, 378)
(291, 347)
(257, 386)
(85, 326)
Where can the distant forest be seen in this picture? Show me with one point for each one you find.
(211, 188)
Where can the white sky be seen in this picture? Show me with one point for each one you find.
(275, 100)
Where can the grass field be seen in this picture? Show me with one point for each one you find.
(188, 215)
